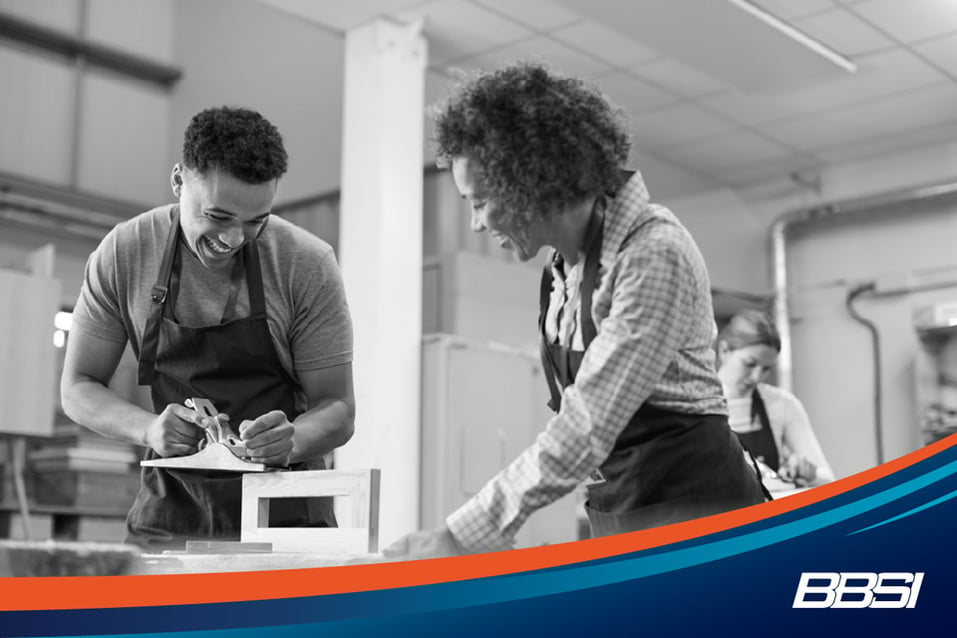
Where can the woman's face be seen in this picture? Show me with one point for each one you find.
(523, 239)
(742, 369)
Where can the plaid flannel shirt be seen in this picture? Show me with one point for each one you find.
(653, 313)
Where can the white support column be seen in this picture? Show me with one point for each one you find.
(380, 242)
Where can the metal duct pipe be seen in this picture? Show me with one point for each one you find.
(779, 266)
(778, 244)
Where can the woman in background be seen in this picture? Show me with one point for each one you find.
(770, 421)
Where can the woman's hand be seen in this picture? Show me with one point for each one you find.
(798, 470)
(433, 543)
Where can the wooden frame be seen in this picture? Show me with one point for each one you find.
(359, 534)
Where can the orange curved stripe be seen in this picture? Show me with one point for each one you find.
(158, 590)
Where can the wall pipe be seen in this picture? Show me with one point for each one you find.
(876, 351)
(778, 241)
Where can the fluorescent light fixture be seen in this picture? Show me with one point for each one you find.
(798, 36)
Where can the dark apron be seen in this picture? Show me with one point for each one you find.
(760, 442)
(665, 466)
(234, 365)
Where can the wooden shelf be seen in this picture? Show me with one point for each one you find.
(936, 333)
(64, 523)
(68, 510)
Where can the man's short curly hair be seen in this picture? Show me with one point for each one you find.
(540, 142)
(238, 141)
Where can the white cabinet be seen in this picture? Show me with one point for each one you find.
(481, 299)
(482, 405)
(27, 385)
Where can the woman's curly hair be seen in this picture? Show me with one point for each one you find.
(540, 142)
(235, 140)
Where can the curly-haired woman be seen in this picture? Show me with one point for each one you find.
(626, 318)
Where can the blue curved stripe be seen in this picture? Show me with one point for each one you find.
(910, 512)
(384, 612)
(547, 582)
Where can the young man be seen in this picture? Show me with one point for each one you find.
(218, 300)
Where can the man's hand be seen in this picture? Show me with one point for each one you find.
(434, 543)
(268, 439)
(175, 431)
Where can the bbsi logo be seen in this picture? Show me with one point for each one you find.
(854, 590)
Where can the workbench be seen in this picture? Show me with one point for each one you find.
(70, 558)
(182, 563)
(65, 522)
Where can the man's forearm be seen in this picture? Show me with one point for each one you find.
(95, 406)
(322, 429)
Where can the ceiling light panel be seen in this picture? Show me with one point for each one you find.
(611, 46)
(822, 131)
(872, 120)
(722, 154)
(790, 9)
(541, 15)
(942, 52)
(557, 56)
(633, 94)
(910, 20)
(720, 41)
(891, 144)
(457, 29)
(340, 16)
(763, 172)
(753, 110)
(679, 78)
(881, 74)
(666, 180)
(677, 124)
(786, 28)
(844, 32)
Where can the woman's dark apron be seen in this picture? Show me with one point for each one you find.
(234, 365)
(760, 442)
(665, 466)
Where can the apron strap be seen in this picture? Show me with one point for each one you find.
(758, 410)
(235, 284)
(549, 365)
(593, 242)
(254, 280)
(169, 309)
(159, 296)
(763, 439)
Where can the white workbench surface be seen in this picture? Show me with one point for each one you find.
(182, 563)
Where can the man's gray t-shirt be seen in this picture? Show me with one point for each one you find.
(306, 307)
